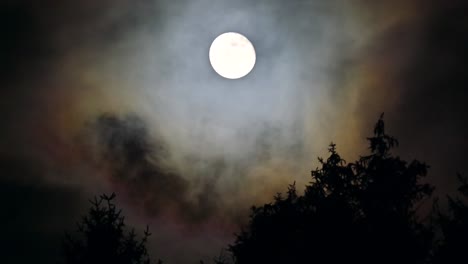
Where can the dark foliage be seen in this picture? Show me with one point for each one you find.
(102, 238)
(361, 212)
(452, 248)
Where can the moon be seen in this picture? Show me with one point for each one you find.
(232, 55)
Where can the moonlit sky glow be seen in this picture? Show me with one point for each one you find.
(95, 94)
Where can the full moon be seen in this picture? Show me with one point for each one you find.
(232, 55)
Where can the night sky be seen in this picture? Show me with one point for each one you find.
(119, 96)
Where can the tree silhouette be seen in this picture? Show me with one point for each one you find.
(452, 248)
(102, 238)
(363, 212)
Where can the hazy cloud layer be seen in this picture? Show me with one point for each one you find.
(119, 96)
(140, 166)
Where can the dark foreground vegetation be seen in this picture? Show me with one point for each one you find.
(368, 211)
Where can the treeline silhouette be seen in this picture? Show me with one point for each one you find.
(102, 238)
(365, 211)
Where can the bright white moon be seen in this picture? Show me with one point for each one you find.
(232, 55)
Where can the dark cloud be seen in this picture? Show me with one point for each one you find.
(421, 63)
(199, 148)
(20, 39)
(140, 166)
(35, 213)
